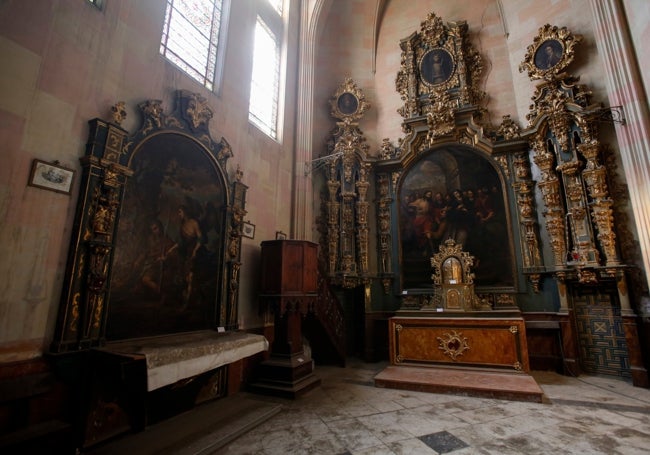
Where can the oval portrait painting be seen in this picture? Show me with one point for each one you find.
(347, 103)
(548, 54)
(436, 66)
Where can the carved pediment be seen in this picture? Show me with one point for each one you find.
(439, 72)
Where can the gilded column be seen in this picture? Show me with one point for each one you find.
(549, 186)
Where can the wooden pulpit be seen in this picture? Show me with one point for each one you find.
(289, 288)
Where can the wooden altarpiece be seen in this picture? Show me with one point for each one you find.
(150, 295)
(568, 249)
(448, 159)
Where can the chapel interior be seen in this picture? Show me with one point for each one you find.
(200, 199)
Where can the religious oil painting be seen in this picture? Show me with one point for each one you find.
(169, 250)
(436, 66)
(548, 54)
(454, 193)
(347, 103)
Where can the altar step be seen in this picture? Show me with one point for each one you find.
(484, 384)
(201, 431)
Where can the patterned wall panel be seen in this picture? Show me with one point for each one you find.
(603, 349)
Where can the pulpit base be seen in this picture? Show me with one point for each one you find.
(287, 377)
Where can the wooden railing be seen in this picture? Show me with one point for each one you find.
(329, 321)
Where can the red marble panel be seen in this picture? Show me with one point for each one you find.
(463, 341)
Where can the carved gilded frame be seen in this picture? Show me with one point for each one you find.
(84, 303)
(348, 103)
(552, 51)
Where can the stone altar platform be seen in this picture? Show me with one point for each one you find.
(483, 354)
(484, 384)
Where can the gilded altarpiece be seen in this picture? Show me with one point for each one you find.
(451, 175)
(156, 241)
(534, 205)
(577, 212)
(450, 227)
(347, 170)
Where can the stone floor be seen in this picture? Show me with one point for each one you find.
(348, 415)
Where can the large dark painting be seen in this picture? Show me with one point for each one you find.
(454, 193)
(168, 258)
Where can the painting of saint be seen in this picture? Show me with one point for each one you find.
(436, 66)
(169, 253)
(454, 193)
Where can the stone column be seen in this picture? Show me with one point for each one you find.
(625, 88)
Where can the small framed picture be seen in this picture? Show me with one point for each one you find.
(248, 230)
(279, 235)
(347, 103)
(51, 176)
(548, 54)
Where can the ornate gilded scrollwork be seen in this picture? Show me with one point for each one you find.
(347, 183)
(524, 189)
(453, 344)
(348, 103)
(439, 73)
(508, 129)
(385, 243)
(197, 111)
(551, 52)
(118, 111)
(573, 182)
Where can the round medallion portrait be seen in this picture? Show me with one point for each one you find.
(548, 54)
(436, 66)
(347, 103)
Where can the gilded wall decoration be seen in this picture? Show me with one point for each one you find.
(347, 205)
(439, 73)
(553, 49)
(156, 242)
(578, 208)
(453, 344)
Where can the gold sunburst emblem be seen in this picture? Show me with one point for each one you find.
(453, 344)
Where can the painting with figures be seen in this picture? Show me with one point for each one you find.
(169, 249)
(454, 193)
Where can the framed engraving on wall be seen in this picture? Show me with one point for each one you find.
(51, 176)
(248, 230)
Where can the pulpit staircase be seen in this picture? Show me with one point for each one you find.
(324, 326)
